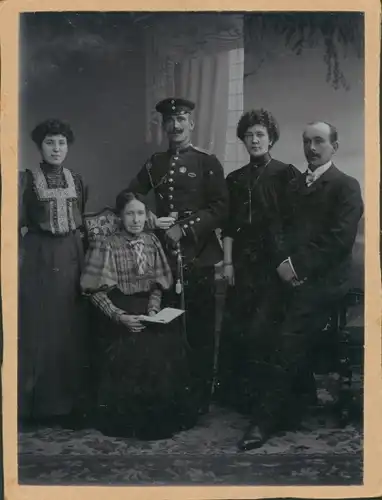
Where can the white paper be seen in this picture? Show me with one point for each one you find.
(164, 316)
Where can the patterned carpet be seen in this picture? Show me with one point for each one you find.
(319, 453)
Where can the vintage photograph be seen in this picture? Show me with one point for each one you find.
(191, 248)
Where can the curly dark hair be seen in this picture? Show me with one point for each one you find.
(258, 117)
(126, 197)
(52, 126)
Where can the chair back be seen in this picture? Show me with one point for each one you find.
(100, 225)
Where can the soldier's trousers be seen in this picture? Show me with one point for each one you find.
(199, 290)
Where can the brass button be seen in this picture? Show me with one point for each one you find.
(191, 222)
(197, 219)
(170, 197)
(171, 206)
(171, 180)
(171, 188)
(172, 172)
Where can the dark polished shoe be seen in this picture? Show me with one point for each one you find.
(254, 437)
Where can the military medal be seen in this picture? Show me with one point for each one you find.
(182, 170)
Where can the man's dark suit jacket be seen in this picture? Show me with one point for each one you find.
(323, 226)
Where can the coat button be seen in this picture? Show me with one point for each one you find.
(172, 172)
(171, 188)
(191, 222)
(170, 197)
(197, 219)
(171, 180)
(171, 206)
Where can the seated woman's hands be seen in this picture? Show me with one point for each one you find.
(132, 322)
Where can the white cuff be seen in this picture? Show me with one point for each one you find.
(289, 260)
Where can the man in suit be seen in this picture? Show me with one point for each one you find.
(191, 203)
(315, 260)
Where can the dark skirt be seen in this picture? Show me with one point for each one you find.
(253, 310)
(144, 385)
(52, 326)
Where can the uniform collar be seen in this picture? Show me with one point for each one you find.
(175, 150)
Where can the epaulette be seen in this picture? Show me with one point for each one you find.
(201, 150)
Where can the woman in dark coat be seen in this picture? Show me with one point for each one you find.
(144, 378)
(52, 318)
(252, 235)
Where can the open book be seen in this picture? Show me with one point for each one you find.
(164, 316)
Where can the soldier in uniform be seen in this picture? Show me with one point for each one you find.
(191, 203)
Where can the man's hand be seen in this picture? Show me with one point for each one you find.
(164, 222)
(132, 323)
(152, 313)
(285, 272)
(173, 235)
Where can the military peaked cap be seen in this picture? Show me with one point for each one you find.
(174, 106)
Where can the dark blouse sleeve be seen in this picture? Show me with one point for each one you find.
(229, 227)
(283, 214)
(25, 194)
(82, 191)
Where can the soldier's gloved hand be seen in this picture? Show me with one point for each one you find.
(173, 235)
(164, 222)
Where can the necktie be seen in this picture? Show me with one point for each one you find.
(139, 249)
(310, 178)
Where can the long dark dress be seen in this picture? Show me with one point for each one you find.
(52, 313)
(144, 385)
(254, 306)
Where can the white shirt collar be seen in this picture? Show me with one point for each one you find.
(320, 170)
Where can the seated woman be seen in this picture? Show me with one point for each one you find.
(144, 381)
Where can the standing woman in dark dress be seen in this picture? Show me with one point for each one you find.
(252, 235)
(144, 378)
(52, 319)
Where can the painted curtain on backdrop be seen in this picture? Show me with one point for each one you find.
(188, 54)
(205, 80)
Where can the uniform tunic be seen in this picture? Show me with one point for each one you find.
(52, 318)
(144, 378)
(191, 183)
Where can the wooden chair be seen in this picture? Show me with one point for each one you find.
(337, 353)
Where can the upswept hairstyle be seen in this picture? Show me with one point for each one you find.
(126, 197)
(258, 117)
(52, 126)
